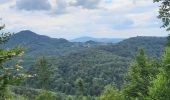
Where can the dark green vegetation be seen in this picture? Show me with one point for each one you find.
(10, 73)
(83, 71)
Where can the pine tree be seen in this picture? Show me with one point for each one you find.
(160, 86)
(79, 88)
(158, 90)
(139, 75)
(44, 72)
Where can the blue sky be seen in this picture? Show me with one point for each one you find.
(75, 18)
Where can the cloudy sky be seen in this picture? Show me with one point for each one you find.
(75, 18)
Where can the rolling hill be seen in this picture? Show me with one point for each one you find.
(35, 44)
(38, 44)
(98, 64)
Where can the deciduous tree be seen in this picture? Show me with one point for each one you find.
(10, 74)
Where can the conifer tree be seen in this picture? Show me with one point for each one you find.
(79, 88)
(139, 75)
(160, 86)
(44, 72)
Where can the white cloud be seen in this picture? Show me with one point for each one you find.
(108, 18)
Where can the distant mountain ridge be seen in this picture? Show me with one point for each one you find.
(43, 45)
(104, 40)
(36, 44)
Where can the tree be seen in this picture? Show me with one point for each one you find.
(9, 74)
(111, 93)
(164, 13)
(44, 72)
(139, 76)
(79, 88)
(158, 90)
(160, 86)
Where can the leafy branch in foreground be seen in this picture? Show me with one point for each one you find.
(10, 74)
(164, 13)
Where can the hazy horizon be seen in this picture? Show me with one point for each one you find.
(71, 19)
(89, 36)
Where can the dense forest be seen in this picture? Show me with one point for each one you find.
(60, 66)
(37, 67)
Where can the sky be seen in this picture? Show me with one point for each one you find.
(76, 18)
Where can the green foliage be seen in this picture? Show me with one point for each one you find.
(18, 97)
(166, 56)
(96, 63)
(97, 68)
(111, 93)
(32, 93)
(69, 98)
(45, 95)
(43, 72)
(153, 46)
(43, 45)
(164, 12)
(38, 45)
(79, 88)
(160, 86)
(159, 89)
(139, 76)
(10, 74)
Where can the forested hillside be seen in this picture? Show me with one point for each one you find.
(38, 44)
(98, 64)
